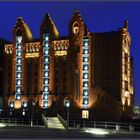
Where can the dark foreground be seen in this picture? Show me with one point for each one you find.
(42, 132)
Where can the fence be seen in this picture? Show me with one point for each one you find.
(20, 122)
(118, 126)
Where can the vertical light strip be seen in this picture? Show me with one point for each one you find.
(18, 67)
(45, 70)
(85, 73)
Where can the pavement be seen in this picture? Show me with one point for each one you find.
(42, 132)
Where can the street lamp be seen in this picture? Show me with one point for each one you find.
(33, 103)
(67, 105)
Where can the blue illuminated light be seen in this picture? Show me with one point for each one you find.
(45, 89)
(45, 96)
(85, 59)
(85, 67)
(18, 90)
(85, 51)
(19, 53)
(85, 84)
(46, 51)
(85, 92)
(46, 38)
(46, 67)
(19, 60)
(46, 74)
(85, 101)
(85, 75)
(12, 104)
(19, 68)
(25, 104)
(18, 97)
(19, 39)
(18, 75)
(46, 81)
(18, 82)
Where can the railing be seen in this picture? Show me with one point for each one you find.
(64, 123)
(20, 122)
(44, 119)
(118, 126)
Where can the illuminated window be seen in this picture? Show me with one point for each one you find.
(24, 104)
(46, 59)
(46, 45)
(85, 51)
(46, 74)
(19, 39)
(85, 92)
(18, 89)
(85, 75)
(46, 81)
(45, 96)
(85, 43)
(18, 46)
(85, 101)
(46, 38)
(19, 53)
(46, 89)
(18, 97)
(85, 84)
(85, 59)
(85, 114)
(85, 67)
(46, 51)
(11, 104)
(19, 68)
(18, 75)
(18, 82)
(19, 60)
(46, 67)
(45, 104)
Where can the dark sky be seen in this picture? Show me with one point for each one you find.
(99, 17)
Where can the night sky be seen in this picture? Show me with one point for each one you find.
(99, 17)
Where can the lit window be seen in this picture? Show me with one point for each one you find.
(18, 82)
(85, 114)
(25, 104)
(46, 44)
(85, 67)
(85, 51)
(85, 92)
(19, 53)
(18, 97)
(46, 38)
(19, 39)
(85, 101)
(12, 104)
(46, 66)
(46, 59)
(19, 60)
(19, 68)
(18, 46)
(46, 74)
(85, 84)
(46, 51)
(45, 104)
(18, 90)
(85, 59)
(18, 75)
(46, 81)
(85, 75)
(45, 96)
(45, 89)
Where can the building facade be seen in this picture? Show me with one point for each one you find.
(92, 71)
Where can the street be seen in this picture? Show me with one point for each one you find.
(42, 132)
